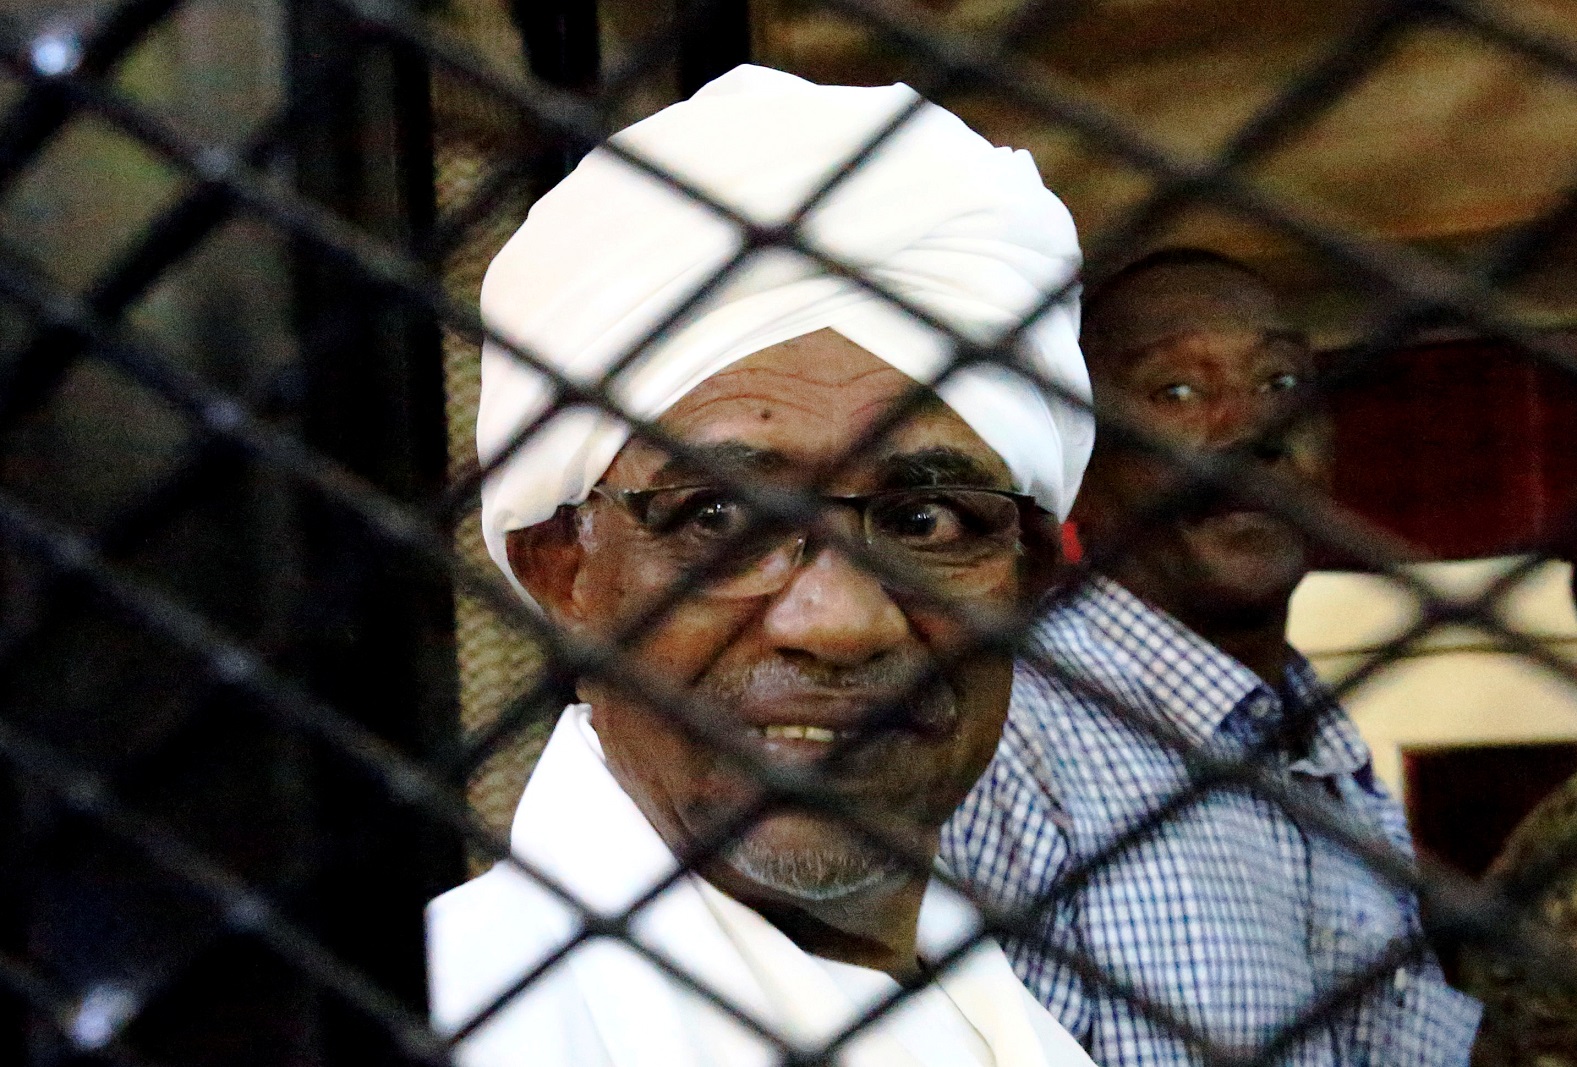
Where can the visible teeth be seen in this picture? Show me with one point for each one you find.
(799, 733)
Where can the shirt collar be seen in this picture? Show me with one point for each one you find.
(1195, 686)
(1337, 747)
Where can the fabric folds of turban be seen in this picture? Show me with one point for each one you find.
(962, 229)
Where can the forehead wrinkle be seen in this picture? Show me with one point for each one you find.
(753, 399)
(796, 391)
(926, 403)
(883, 369)
(804, 377)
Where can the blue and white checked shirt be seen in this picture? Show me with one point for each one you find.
(1227, 916)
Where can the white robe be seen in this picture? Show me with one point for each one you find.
(606, 1006)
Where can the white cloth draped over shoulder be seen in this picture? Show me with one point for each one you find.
(960, 228)
(604, 1005)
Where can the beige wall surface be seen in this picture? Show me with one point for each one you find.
(1455, 685)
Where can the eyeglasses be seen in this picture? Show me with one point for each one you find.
(950, 538)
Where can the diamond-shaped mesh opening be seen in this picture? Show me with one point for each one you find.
(189, 72)
(99, 443)
(222, 309)
(88, 194)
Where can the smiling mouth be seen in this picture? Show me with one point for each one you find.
(822, 718)
(794, 732)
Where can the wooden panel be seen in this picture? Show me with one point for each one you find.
(1445, 143)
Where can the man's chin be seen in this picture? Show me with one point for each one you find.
(1252, 569)
(810, 860)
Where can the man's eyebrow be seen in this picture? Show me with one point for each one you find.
(733, 457)
(1287, 336)
(1127, 359)
(933, 466)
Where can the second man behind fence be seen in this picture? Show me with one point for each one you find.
(1222, 921)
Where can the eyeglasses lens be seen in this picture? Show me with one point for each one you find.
(943, 537)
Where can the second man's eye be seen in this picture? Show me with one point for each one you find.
(1280, 383)
(1176, 393)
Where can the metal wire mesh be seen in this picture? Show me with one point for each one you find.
(205, 641)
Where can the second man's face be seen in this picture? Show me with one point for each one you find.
(1204, 358)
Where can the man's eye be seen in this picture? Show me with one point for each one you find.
(919, 523)
(1280, 383)
(936, 521)
(1176, 393)
(696, 512)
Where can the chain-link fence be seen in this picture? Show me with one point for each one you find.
(235, 533)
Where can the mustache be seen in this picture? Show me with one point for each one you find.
(774, 678)
(879, 682)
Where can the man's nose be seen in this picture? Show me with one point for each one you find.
(833, 610)
(1251, 424)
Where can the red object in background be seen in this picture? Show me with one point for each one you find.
(1465, 448)
(1072, 547)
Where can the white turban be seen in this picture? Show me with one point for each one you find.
(955, 226)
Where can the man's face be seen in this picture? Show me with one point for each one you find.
(788, 669)
(1202, 355)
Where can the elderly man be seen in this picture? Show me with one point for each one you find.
(789, 649)
(1231, 917)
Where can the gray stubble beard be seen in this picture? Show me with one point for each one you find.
(831, 872)
(847, 863)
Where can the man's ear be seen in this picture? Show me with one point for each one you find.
(546, 559)
(1043, 557)
(1321, 430)
(1080, 514)
(1093, 509)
